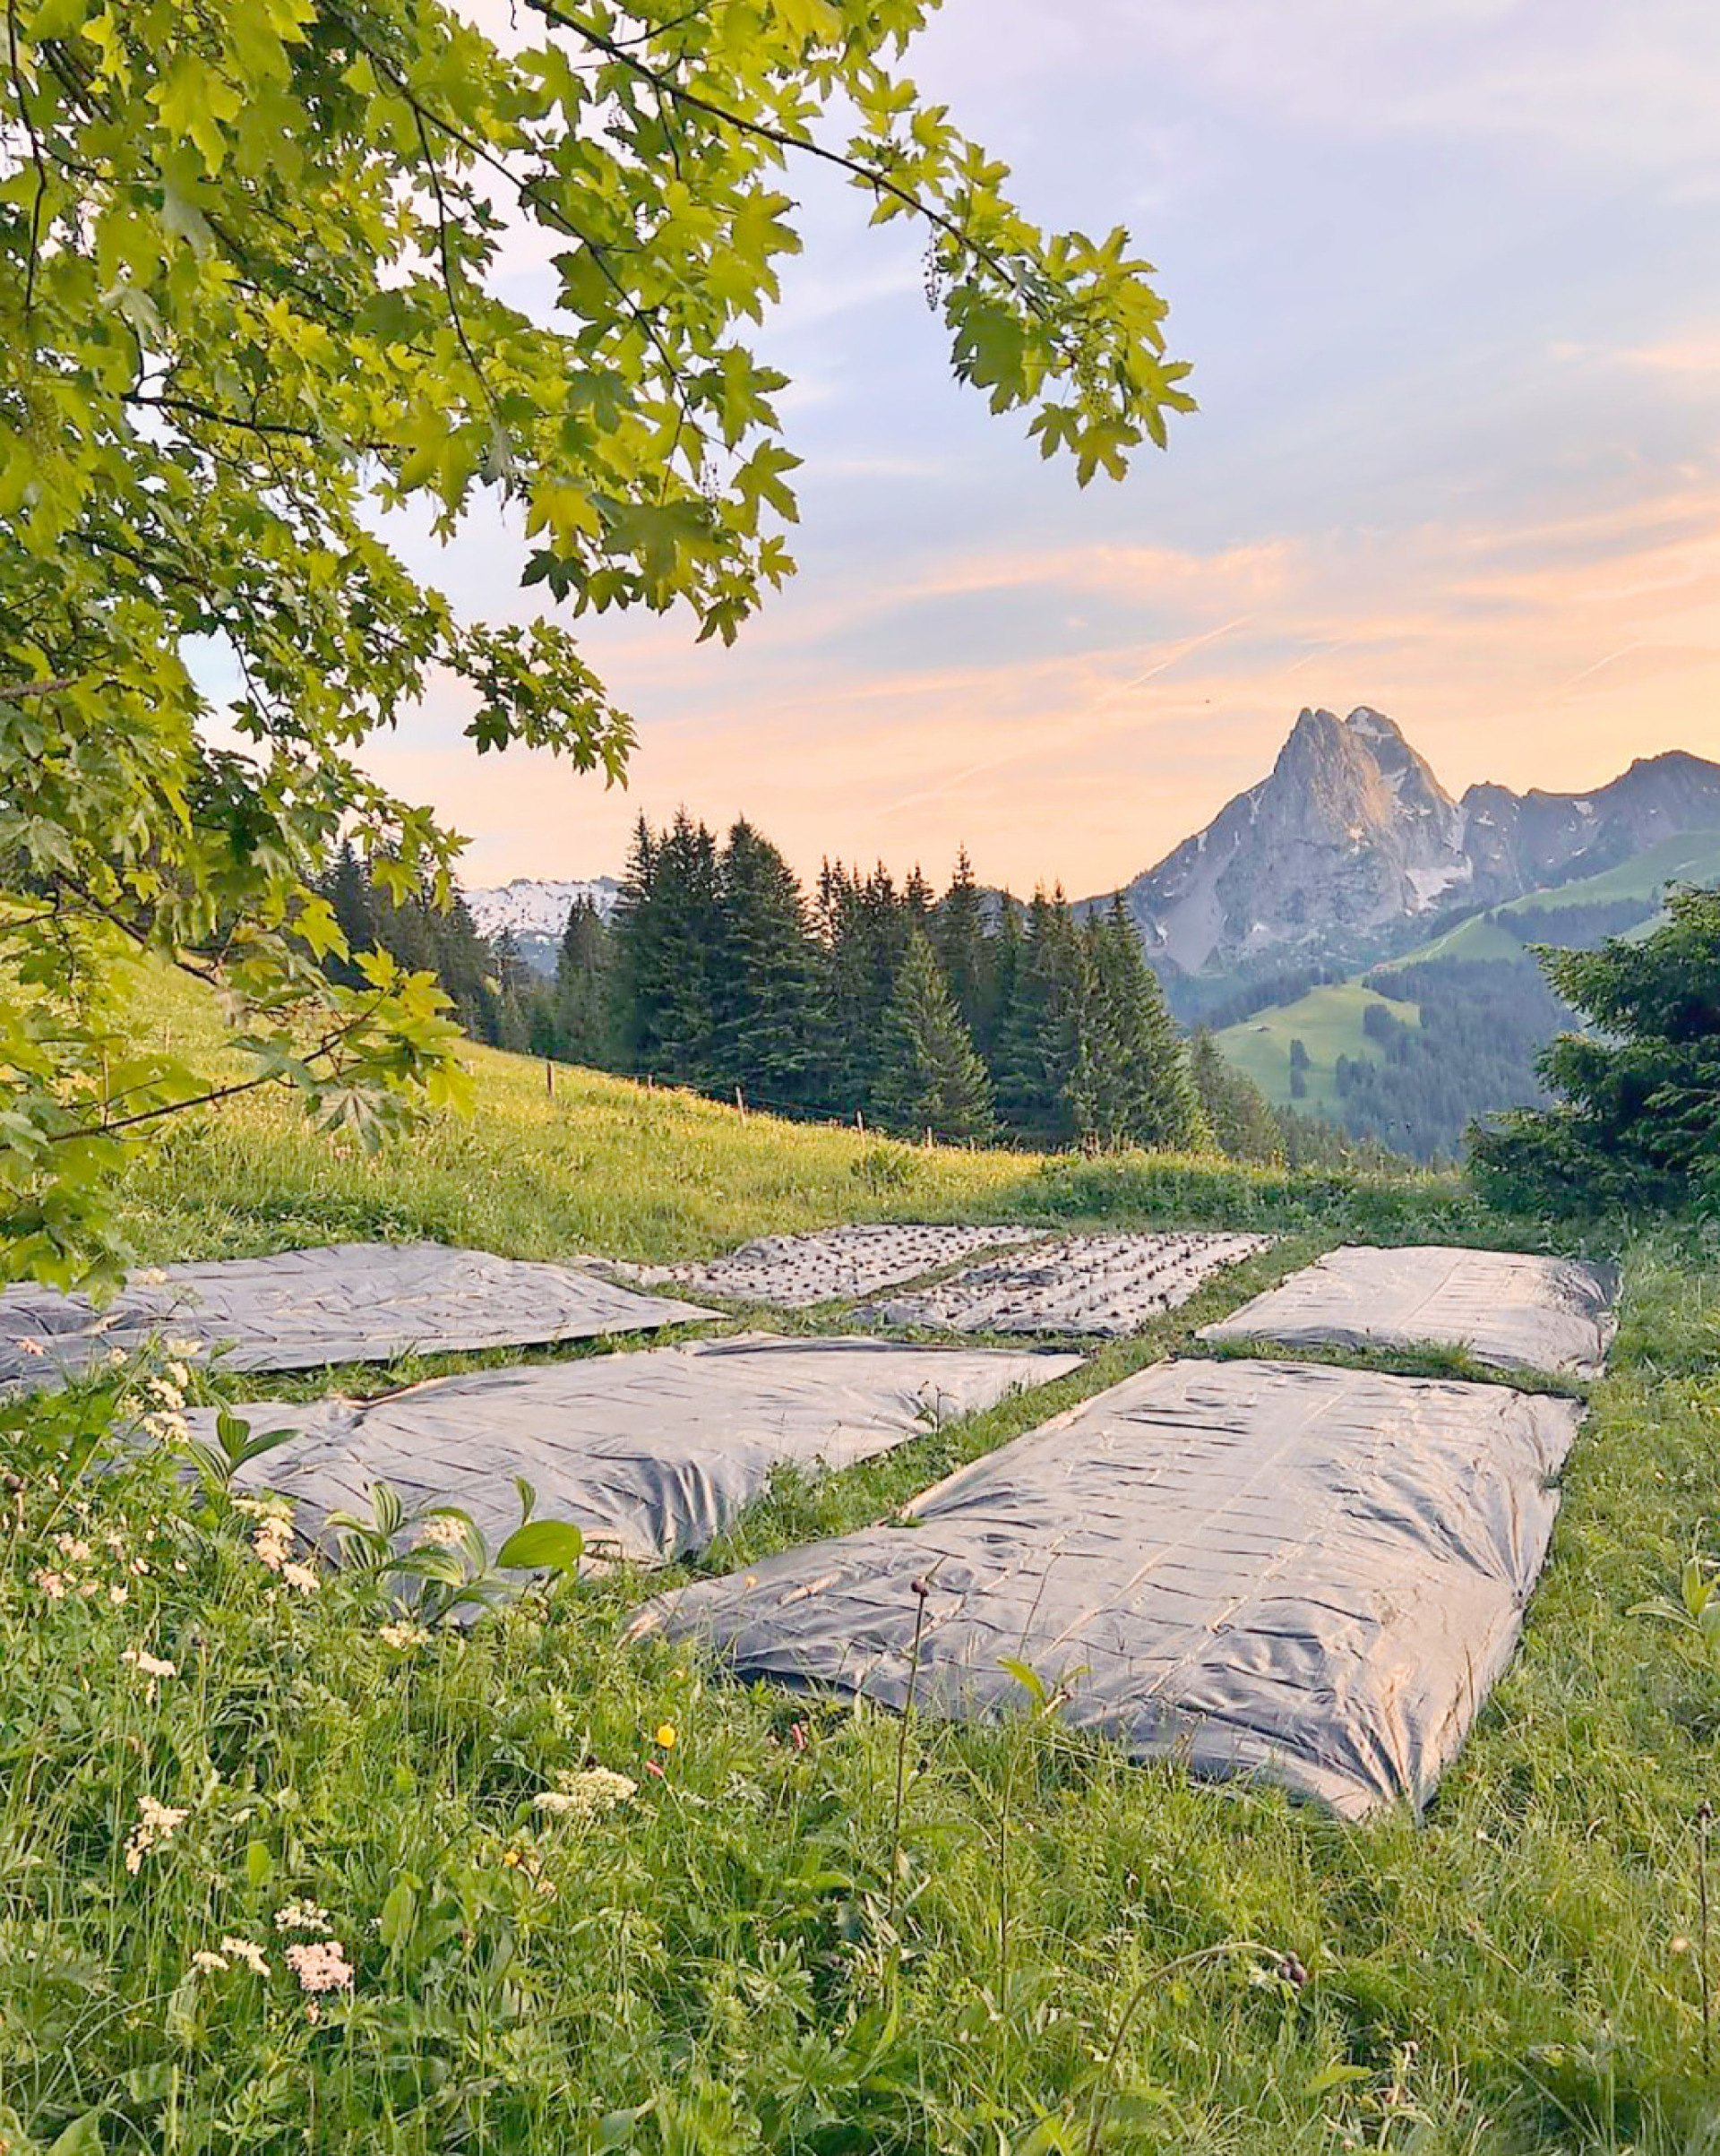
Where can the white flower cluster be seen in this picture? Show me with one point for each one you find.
(156, 1827)
(587, 1795)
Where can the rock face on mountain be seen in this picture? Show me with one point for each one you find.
(1352, 835)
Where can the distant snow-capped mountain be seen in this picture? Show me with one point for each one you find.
(534, 911)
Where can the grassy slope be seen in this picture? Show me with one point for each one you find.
(1329, 1019)
(720, 1951)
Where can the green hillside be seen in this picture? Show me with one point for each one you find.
(1692, 858)
(1478, 1025)
(1035, 1947)
(1327, 1021)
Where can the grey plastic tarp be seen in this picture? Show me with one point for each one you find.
(650, 1454)
(1083, 1286)
(1508, 1310)
(349, 1302)
(1308, 1574)
(793, 1272)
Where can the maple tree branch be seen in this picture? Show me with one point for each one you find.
(805, 145)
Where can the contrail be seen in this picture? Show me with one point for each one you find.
(1105, 696)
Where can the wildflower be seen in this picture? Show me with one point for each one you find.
(301, 1916)
(587, 1795)
(51, 1583)
(74, 1552)
(1678, 1944)
(168, 1393)
(320, 1967)
(188, 1349)
(272, 1540)
(179, 1374)
(402, 1635)
(243, 1950)
(301, 1576)
(151, 1277)
(29, 1347)
(117, 1596)
(511, 1858)
(150, 1666)
(665, 1735)
(442, 1531)
(156, 1827)
(139, 1568)
(264, 1509)
(207, 1963)
(798, 1735)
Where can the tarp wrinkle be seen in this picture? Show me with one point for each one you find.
(1507, 1309)
(1304, 1572)
(303, 1310)
(650, 1455)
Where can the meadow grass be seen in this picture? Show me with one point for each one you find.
(1082, 1954)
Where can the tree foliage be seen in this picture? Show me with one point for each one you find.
(1636, 1116)
(252, 294)
(932, 1079)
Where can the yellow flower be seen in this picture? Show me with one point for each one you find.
(665, 1735)
(511, 1857)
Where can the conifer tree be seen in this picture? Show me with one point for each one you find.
(917, 900)
(958, 939)
(1040, 1049)
(767, 989)
(513, 994)
(1243, 1123)
(1156, 1101)
(669, 926)
(581, 1004)
(932, 1079)
(865, 931)
(1002, 967)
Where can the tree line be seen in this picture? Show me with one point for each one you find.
(965, 1014)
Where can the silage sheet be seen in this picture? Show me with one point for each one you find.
(1306, 1574)
(1508, 1310)
(793, 1272)
(1080, 1286)
(300, 1309)
(651, 1454)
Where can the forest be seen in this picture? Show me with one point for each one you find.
(965, 1014)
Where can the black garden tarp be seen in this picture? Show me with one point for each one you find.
(1306, 1574)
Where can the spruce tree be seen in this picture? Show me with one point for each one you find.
(667, 930)
(1002, 951)
(347, 888)
(513, 994)
(958, 939)
(683, 1000)
(932, 1079)
(864, 929)
(1039, 1050)
(1157, 1104)
(767, 989)
(582, 1029)
(1241, 1118)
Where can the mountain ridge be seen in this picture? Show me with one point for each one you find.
(1351, 837)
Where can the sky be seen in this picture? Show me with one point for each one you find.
(1448, 275)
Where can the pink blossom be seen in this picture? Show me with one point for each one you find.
(320, 1966)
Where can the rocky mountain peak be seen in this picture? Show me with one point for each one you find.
(1352, 834)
